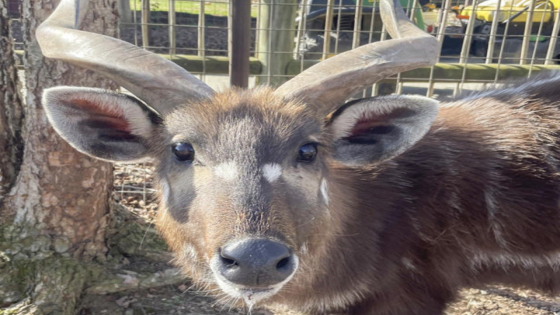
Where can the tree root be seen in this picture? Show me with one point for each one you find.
(53, 284)
(130, 281)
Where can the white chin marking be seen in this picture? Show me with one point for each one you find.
(227, 170)
(325, 191)
(271, 171)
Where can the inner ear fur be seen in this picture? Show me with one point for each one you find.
(379, 128)
(103, 124)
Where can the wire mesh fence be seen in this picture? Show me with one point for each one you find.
(482, 41)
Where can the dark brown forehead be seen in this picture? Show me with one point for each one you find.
(253, 122)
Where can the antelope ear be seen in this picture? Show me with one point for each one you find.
(106, 125)
(376, 129)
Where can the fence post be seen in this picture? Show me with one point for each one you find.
(239, 42)
(146, 31)
(172, 33)
(201, 45)
(124, 11)
(276, 28)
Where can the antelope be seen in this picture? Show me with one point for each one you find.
(290, 196)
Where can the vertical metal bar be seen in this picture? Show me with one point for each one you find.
(257, 27)
(502, 47)
(276, 39)
(539, 32)
(339, 19)
(374, 88)
(145, 23)
(372, 22)
(357, 25)
(239, 21)
(172, 35)
(466, 47)
(304, 18)
(553, 39)
(443, 23)
(328, 27)
(468, 35)
(413, 9)
(201, 45)
(135, 24)
(527, 34)
(269, 48)
(493, 31)
(301, 25)
(442, 16)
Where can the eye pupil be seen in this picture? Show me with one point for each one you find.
(183, 151)
(307, 152)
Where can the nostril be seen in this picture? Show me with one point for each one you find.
(228, 261)
(283, 263)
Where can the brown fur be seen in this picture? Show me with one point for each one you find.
(476, 201)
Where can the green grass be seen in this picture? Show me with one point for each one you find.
(215, 7)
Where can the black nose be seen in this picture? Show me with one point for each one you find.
(256, 262)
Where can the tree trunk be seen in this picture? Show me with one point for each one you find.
(57, 210)
(10, 111)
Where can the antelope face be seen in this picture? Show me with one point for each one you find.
(245, 176)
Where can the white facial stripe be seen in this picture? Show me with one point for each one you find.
(325, 191)
(304, 248)
(271, 171)
(166, 190)
(227, 171)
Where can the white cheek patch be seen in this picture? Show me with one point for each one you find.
(325, 191)
(304, 248)
(166, 190)
(190, 251)
(271, 172)
(227, 171)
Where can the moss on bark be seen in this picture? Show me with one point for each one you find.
(36, 279)
(50, 286)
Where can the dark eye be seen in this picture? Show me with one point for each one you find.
(183, 151)
(307, 152)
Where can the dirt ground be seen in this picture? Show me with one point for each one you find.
(133, 189)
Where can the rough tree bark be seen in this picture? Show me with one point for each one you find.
(11, 117)
(54, 215)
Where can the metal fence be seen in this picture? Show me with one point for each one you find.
(482, 41)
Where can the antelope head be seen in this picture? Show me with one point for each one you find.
(247, 178)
